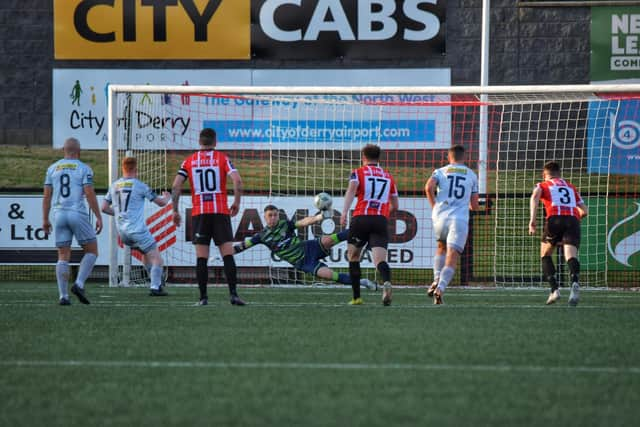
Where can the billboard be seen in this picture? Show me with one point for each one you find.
(125, 29)
(615, 50)
(411, 240)
(151, 121)
(613, 137)
(247, 29)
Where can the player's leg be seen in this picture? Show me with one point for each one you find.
(152, 257)
(551, 236)
(327, 273)
(201, 239)
(331, 240)
(86, 237)
(379, 255)
(63, 243)
(571, 241)
(456, 240)
(354, 253)
(223, 238)
(438, 264)
(549, 271)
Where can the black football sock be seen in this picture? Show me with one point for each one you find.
(231, 273)
(574, 269)
(202, 275)
(354, 274)
(385, 271)
(549, 272)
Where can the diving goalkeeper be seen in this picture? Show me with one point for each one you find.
(281, 238)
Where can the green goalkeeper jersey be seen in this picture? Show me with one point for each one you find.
(281, 239)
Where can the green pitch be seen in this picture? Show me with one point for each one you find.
(303, 357)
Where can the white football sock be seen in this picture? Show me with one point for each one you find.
(438, 263)
(62, 275)
(445, 277)
(156, 276)
(86, 265)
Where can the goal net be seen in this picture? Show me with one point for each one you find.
(291, 143)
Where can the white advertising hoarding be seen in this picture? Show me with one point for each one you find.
(152, 121)
(411, 244)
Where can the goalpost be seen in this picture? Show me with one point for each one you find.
(289, 143)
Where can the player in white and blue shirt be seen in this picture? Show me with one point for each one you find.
(125, 200)
(68, 187)
(452, 190)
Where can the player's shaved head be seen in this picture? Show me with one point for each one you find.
(71, 147)
(129, 164)
(457, 151)
(552, 168)
(208, 137)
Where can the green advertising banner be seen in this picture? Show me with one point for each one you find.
(615, 43)
(623, 234)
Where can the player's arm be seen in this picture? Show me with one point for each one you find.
(533, 208)
(163, 200)
(430, 190)
(474, 202)
(46, 208)
(90, 194)
(310, 220)
(237, 192)
(584, 210)
(106, 207)
(176, 191)
(348, 200)
(394, 204)
(246, 243)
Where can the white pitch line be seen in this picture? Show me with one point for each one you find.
(321, 366)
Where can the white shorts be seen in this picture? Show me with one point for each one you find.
(142, 240)
(453, 231)
(69, 224)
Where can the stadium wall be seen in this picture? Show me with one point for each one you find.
(528, 46)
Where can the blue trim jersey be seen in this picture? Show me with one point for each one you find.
(456, 183)
(67, 177)
(127, 196)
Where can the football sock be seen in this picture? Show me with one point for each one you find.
(438, 263)
(231, 273)
(354, 274)
(62, 275)
(340, 237)
(574, 269)
(385, 271)
(156, 276)
(549, 272)
(202, 275)
(445, 277)
(86, 265)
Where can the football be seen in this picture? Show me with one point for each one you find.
(323, 201)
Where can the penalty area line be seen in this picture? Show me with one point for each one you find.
(320, 366)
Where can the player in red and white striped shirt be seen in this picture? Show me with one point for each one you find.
(207, 171)
(564, 209)
(377, 196)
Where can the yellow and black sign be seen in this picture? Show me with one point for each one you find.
(152, 29)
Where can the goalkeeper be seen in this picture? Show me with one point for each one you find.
(281, 238)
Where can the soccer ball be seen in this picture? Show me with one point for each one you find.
(323, 201)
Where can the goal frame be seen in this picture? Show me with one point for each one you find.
(481, 91)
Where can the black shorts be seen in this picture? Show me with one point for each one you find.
(211, 226)
(371, 229)
(563, 229)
